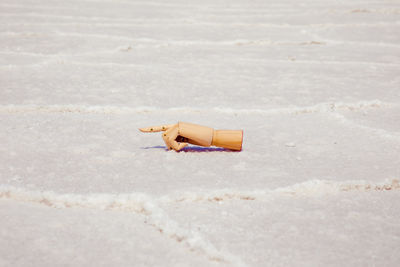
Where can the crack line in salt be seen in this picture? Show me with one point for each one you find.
(377, 131)
(312, 188)
(133, 22)
(156, 217)
(164, 42)
(83, 109)
(136, 202)
(58, 59)
(183, 42)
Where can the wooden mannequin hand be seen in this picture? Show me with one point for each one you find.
(171, 132)
(178, 136)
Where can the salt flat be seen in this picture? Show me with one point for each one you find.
(314, 85)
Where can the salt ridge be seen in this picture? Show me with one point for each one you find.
(134, 202)
(155, 216)
(377, 131)
(311, 188)
(318, 108)
(62, 59)
(146, 205)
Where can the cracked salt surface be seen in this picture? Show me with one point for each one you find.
(314, 86)
(158, 218)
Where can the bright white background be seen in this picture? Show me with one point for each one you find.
(313, 84)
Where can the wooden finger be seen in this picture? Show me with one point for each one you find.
(166, 141)
(170, 135)
(180, 146)
(154, 129)
(173, 134)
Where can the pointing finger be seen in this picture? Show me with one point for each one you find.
(154, 129)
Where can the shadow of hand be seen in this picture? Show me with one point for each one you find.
(194, 149)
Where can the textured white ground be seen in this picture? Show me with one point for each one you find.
(315, 85)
